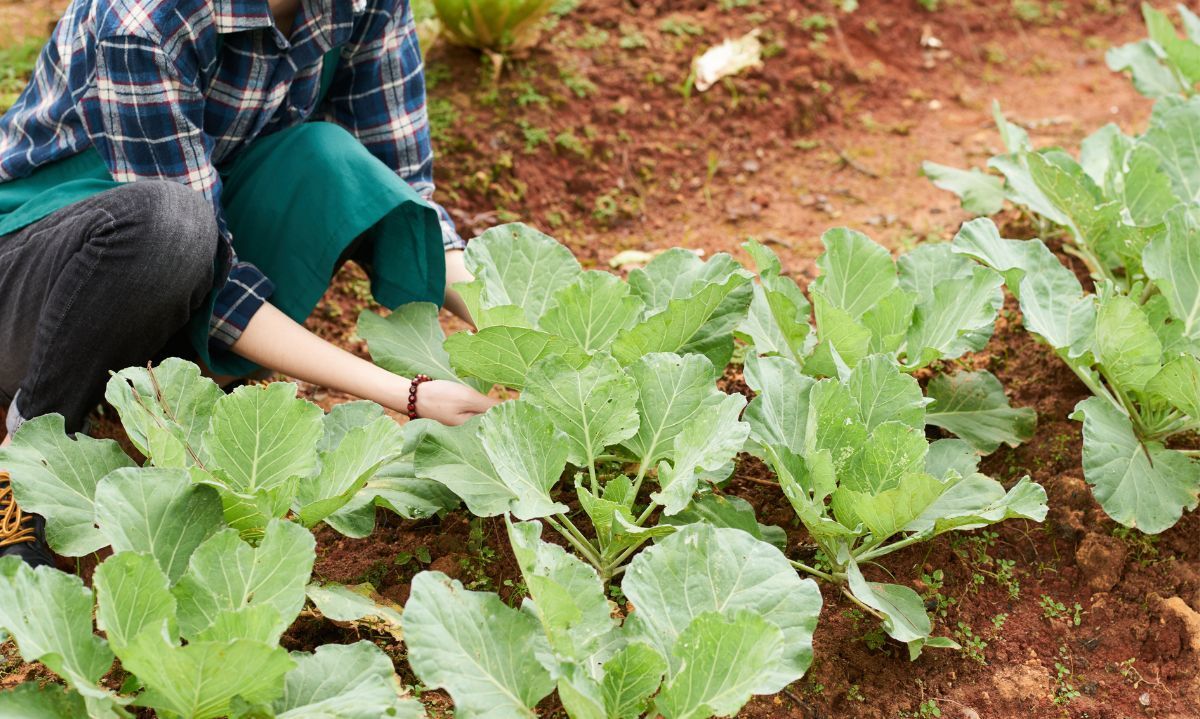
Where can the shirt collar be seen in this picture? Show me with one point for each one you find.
(236, 15)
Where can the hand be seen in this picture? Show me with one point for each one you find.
(450, 403)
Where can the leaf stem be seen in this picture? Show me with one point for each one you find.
(577, 541)
(879, 551)
(869, 610)
(812, 570)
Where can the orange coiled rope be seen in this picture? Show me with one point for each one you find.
(16, 527)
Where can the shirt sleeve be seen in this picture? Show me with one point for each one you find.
(146, 122)
(378, 95)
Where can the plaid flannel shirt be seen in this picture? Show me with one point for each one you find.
(149, 85)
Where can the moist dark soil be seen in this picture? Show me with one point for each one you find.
(597, 138)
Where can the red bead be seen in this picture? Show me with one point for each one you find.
(412, 406)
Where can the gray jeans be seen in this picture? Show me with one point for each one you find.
(98, 286)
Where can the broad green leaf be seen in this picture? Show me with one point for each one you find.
(723, 659)
(520, 266)
(958, 319)
(1102, 156)
(1191, 22)
(132, 594)
(346, 468)
(977, 501)
(173, 397)
(702, 323)
(579, 693)
(396, 488)
(1146, 191)
(1097, 226)
(1126, 346)
(1150, 76)
(1173, 262)
(408, 341)
(351, 681)
(885, 394)
(56, 476)
(357, 604)
(888, 511)
(777, 321)
(1179, 383)
(200, 680)
(157, 511)
(49, 615)
(679, 274)
(528, 454)
(835, 423)
(855, 271)
(703, 569)
(839, 333)
(893, 451)
(728, 511)
(31, 701)
(1023, 190)
(262, 437)
(566, 595)
(1139, 484)
(507, 315)
(904, 614)
(929, 265)
(258, 622)
(671, 390)
(951, 455)
(1182, 55)
(503, 355)
(806, 483)
(1065, 185)
(592, 310)
(778, 415)
(973, 406)
(888, 321)
(226, 574)
(630, 678)
(1052, 300)
(481, 651)
(981, 193)
(345, 417)
(1173, 141)
(706, 443)
(454, 457)
(595, 407)
(1168, 329)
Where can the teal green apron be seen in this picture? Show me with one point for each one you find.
(294, 201)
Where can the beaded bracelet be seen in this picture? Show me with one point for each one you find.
(412, 394)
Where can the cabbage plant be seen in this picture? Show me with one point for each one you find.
(851, 455)
(1129, 209)
(929, 306)
(617, 381)
(718, 616)
(495, 25)
(1164, 64)
(206, 573)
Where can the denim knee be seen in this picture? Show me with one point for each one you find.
(169, 232)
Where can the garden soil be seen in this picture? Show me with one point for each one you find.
(597, 138)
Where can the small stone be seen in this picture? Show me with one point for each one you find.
(1144, 699)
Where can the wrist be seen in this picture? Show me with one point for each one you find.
(411, 406)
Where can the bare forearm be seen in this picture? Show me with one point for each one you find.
(275, 341)
(456, 271)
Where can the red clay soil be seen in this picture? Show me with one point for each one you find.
(595, 139)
